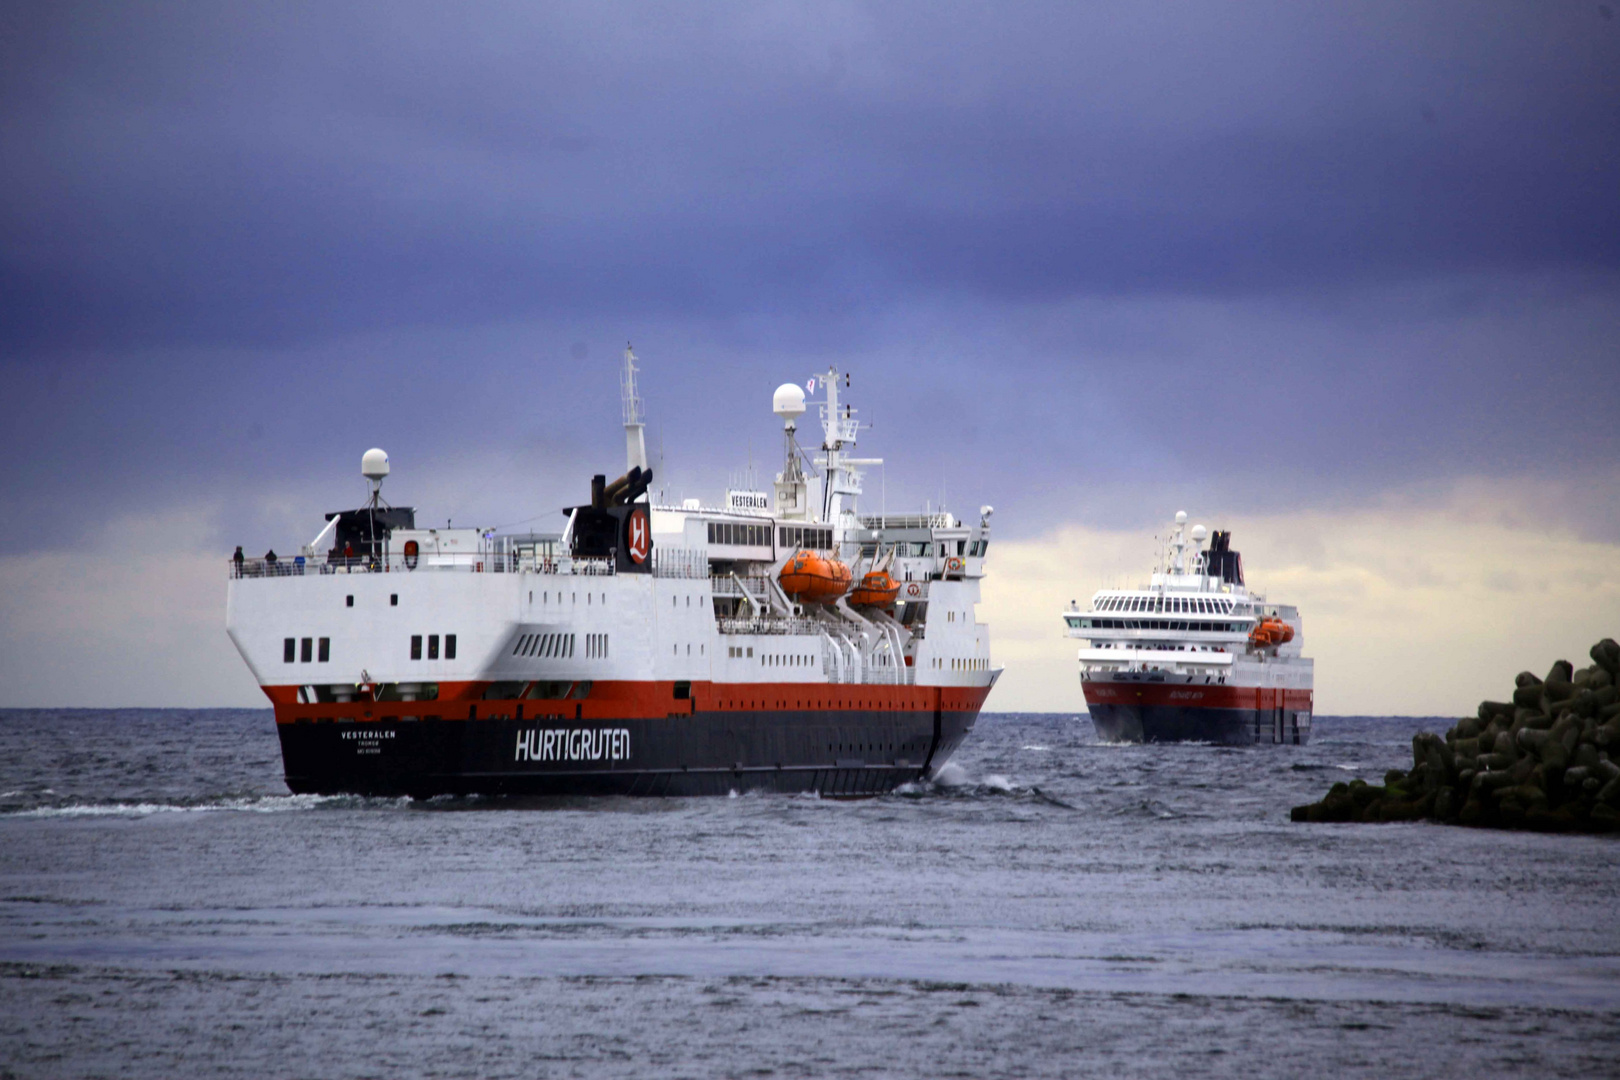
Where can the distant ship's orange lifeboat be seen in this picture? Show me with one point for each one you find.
(876, 589)
(814, 578)
(1269, 633)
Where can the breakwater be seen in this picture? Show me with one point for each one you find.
(1543, 760)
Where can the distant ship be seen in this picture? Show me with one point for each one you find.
(1193, 655)
(779, 641)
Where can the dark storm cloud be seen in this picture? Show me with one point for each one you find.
(1258, 254)
(234, 175)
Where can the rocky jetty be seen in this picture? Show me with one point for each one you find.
(1544, 760)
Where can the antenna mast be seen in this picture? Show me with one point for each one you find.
(840, 429)
(635, 438)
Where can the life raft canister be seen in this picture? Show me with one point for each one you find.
(411, 552)
(814, 578)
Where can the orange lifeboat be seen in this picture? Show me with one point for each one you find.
(1269, 633)
(814, 578)
(877, 589)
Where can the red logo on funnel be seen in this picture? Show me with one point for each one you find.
(637, 535)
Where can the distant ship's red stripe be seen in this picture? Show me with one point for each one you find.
(1184, 695)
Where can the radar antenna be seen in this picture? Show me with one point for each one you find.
(374, 467)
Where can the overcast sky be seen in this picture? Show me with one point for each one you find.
(1090, 263)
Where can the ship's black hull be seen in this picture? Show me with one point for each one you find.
(838, 753)
(1176, 723)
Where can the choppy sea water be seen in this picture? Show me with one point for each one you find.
(1051, 907)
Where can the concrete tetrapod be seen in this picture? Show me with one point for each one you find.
(1544, 760)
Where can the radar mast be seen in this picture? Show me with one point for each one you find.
(635, 439)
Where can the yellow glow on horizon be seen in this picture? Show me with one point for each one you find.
(1408, 610)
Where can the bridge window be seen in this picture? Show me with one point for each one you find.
(289, 648)
(305, 648)
(433, 646)
(449, 646)
(416, 646)
(324, 650)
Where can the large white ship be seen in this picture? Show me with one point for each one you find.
(783, 640)
(1193, 655)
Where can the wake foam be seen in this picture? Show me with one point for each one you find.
(263, 804)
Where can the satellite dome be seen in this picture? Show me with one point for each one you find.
(788, 401)
(374, 465)
(1198, 534)
(1181, 517)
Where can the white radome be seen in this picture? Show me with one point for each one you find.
(374, 465)
(1198, 534)
(788, 401)
(1181, 517)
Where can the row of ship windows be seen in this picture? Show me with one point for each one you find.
(966, 663)
(306, 649)
(733, 532)
(923, 548)
(794, 536)
(771, 659)
(1152, 624)
(433, 646)
(573, 597)
(1188, 605)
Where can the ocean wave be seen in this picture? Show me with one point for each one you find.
(953, 782)
(263, 804)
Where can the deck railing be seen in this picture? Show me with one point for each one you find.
(468, 562)
(499, 557)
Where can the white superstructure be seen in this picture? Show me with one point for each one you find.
(634, 610)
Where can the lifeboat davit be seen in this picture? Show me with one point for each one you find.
(1269, 633)
(877, 589)
(814, 578)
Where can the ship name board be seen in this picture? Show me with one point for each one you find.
(573, 744)
(747, 500)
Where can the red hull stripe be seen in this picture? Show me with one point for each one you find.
(625, 700)
(1182, 695)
